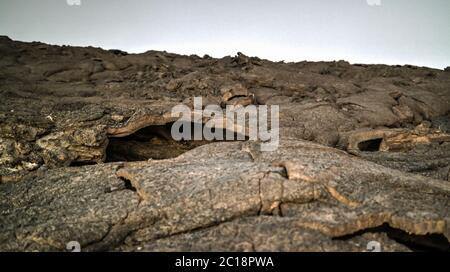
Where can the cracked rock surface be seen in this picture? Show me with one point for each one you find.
(86, 154)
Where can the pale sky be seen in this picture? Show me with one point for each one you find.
(396, 32)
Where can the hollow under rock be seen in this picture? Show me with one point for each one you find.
(372, 145)
(152, 142)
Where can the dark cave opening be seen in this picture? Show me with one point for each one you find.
(153, 142)
(372, 145)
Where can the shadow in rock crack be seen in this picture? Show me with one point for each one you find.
(429, 242)
(153, 142)
(80, 164)
(128, 185)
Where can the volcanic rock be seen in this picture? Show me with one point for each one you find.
(86, 154)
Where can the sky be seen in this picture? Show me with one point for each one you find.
(413, 32)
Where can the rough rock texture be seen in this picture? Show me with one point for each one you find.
(364, 154)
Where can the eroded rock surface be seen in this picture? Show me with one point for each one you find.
(304, 196)
(364, 154)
